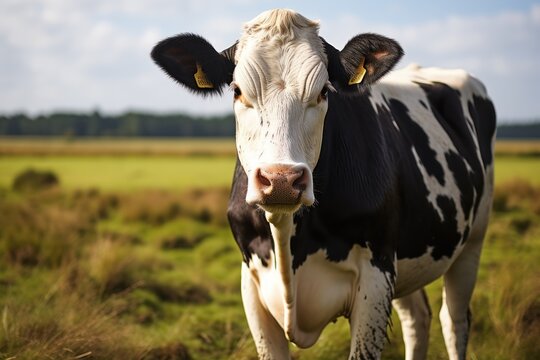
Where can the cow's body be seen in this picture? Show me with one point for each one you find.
(402, 185)
(405, 172)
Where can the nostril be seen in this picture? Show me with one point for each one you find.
(300, 183)
(263, 180)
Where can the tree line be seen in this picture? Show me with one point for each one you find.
(519, 131)
(131, 124)
(138, 124)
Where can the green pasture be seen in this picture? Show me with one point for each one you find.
(130, 173)
(517, 167)
(129, 259)
(126, 173)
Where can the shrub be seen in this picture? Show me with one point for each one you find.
(35, 180)
(521, 224)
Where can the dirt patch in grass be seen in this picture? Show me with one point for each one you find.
(182, 241)
(530, 321)
(185, 293)
(174, 351)
(121, 238)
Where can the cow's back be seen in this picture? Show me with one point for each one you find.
(445, 128)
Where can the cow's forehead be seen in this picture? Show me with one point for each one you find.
(281, 48)
(280, 27)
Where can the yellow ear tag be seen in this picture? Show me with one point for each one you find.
(201, 79)
(359, 74)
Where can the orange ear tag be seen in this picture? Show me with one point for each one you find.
(359, 74)
(201, 79)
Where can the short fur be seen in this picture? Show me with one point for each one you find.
(402, 172)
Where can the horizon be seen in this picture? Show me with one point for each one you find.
(79, 56)
(195, 116)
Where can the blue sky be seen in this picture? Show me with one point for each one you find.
(93, 54)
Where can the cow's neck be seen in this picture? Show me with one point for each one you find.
(358, 154)
(283, 229)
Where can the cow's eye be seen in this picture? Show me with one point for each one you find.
(237, 92)
(324, 91)
(323, 94)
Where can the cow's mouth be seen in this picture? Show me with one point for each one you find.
(279, 208)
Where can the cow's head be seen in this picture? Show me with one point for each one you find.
(281, 73)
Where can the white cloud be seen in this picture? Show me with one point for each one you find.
(502, 50)
(536, 13)
(88, 53)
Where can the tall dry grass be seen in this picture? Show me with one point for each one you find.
(154, 275)
(514, 309)
(34, 234)
(69, 290)
(517, 194)
(65, 326)
(507, 298)
(157, 207)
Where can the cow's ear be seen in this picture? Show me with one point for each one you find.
(194, 63)
(365, 59)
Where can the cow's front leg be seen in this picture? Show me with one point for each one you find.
(269, 337)
(370, 312)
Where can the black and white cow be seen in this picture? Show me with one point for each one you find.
(352, 191)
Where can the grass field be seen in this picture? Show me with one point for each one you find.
(129, 259)
(116, 146)
(127, 165)
(126, 173)
(516, 167)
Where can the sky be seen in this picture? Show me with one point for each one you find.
(85, 55)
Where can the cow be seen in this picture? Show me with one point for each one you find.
(354, 188)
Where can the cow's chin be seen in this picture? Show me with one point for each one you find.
(281, 208)
(306, 199)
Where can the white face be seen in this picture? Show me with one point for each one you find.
(280, 105)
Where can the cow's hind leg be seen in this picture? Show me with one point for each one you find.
(415, 317)
(459, 282)
(460, 279)
(370, 313)
(269, 337)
